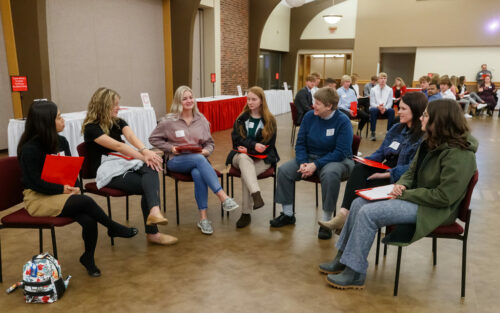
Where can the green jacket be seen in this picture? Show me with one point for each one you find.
(442, 181)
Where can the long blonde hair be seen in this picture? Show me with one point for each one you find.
(176, 107)
(99, 109)
(268, 118)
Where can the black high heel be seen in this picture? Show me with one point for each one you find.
(133, 231)
(92, 269)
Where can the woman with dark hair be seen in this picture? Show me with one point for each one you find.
(186, 126)
(102, 131)
(42, 198)
(487, 92)
(426, 196)
(254, 134)
(397, 150)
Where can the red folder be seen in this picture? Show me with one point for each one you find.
(370, 162)
(257, 156)
(61, 170)
(188, 149)
(354, 108)
(376, 193)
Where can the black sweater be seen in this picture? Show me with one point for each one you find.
(32, 160)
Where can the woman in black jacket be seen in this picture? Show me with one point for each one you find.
(254, 150)
(42, 198)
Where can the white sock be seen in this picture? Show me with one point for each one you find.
(327, 216)
(288, 209)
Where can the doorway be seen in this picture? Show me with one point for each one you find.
(328, 65)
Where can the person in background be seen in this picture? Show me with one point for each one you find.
(397, 151)
(426, 196)
(433, 91)
(487, 92)
(348, 96)
(381, 104)
(41, 198)
(398, 90)
(482, 74)
(254, 134)
(444, 88)
(317, 81)
(471, 102)
(303, 99)
(324, 148)
(186, 126)
(354, 84)
(370, 85)
(330, 82)
(102, 132)
(424, 83)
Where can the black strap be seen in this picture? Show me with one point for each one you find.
(37, 284)
(39, 294)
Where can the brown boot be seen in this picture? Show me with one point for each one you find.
(257, 200)
(335, 223)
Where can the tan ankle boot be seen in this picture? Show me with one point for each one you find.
(335, 223)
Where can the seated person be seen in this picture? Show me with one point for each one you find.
(330, 82)
(424, 83)
(381, 104)
(470, 101)
(487, 92)
(370, 85)
(397, 150)
(42, 198)
(102, 132)
(354, 84)
(433, 91)
(185, 125)
(303, 99)
(254, 133)
(324, 148)
(426, 196)
(398, 90)
(346, 97)
(444, 88)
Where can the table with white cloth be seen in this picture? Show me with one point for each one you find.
(141, 120)
(221, 111)
(278, 101)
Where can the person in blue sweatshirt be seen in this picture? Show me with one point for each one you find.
(323, 148)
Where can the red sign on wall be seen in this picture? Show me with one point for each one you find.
(277, 76)
(19, 83)
(212, 77)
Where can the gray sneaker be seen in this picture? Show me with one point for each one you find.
(332, 267)
(373, 137)
(348, 279)
(206, 227)
(229, 205)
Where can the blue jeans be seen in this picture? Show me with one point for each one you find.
(374, 112)
(203, 174)
(363, 222)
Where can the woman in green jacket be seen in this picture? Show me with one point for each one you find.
(426, 196)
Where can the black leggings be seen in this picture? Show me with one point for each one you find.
(357, 180)
(362, 115)
(143, 182)
(87, 213)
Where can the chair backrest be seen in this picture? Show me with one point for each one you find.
(85, 172)
(356, 140)
(11, 187)
(464, 205)
(293, 109)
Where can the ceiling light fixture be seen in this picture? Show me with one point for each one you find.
(332, 18)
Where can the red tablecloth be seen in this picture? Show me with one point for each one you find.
(222, 113)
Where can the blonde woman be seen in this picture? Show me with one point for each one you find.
(254, 133)
(102, 130)
(186, 126)
(398, 90)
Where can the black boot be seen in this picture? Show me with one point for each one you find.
(244, 220)
(257, 200)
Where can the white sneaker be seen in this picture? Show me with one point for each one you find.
(467, 115)
(229, 205)
(205, 226)
(481, 106)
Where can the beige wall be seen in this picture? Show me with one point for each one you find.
(276, 33)
(346, 28)
(112, 43)
(6, 112)
(410, 23)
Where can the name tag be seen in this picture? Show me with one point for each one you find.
(394, 145)
(330, 132)
(251, 124)
(60, 154)
(344, 96)
(179, 133)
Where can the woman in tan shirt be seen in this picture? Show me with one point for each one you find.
(184, 136)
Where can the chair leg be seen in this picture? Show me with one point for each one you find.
(379, 233)
(177, 201)
(222, 185)
(398, 267)
(316, 195)
(434, 251)
(54, 244)
(293, 204)
(232, 186)
(164, 195)
(228, 193)
(126, 211)
(464, 266)
(385, 249)
(108, 200)
(40, 238)
(293, 134)
(274, 196)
